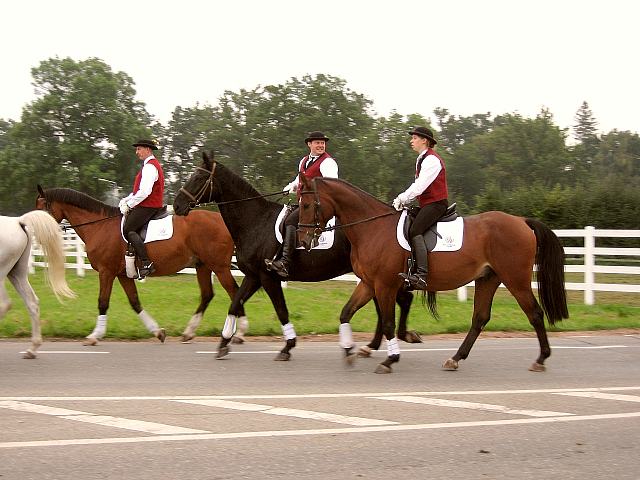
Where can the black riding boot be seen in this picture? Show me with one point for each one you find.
(141, 251)
(418, 280)
(283, 264)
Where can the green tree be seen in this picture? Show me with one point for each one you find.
(77, 131)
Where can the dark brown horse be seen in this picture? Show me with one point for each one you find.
(201, 240)
(497, 248)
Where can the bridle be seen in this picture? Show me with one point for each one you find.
(48, 209)
(196, 199)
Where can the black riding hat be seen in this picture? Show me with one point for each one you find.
(315, 136)
(424, 133)
(146, 143)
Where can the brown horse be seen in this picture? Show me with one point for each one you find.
(201, 240)
(497, 248)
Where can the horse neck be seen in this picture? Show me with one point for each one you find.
(350, 204)
(78, 215)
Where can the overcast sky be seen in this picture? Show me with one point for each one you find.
(469, 56)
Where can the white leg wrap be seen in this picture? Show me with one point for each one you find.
(288, 331)
(229, 328)
(243, 326)
(148, 321)
(346, 335)
(193, 324)
(392, 347)
(100, 328)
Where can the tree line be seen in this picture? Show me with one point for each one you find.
(78, 131)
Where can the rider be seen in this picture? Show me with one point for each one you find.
(318, 163)
(144, 202)
(430, 188)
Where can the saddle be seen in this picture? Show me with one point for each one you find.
(430, 236)
(162, 213)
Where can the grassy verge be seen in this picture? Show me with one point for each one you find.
(314, 309)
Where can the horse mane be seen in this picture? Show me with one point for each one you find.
(235, 183)
(352, 186)
(80, 200)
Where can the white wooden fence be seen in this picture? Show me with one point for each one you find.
(589, 252)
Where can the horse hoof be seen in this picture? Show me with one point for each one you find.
(450, 364)
(161, 335)
(187, 337)
(282, 357)
(90, 342)
(222, 352)
(29, 355)
(237, 340)
(382, 369)
(413, 337)
(537, 367)
(350, 359)
(364, 352)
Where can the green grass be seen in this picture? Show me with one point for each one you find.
(314, 309)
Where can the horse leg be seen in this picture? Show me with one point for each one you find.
(250, 285)
(274, 290)
(387, 309)
(531, 307)
(207, 293)
(485, 290)
(231, 287)
(129, 287)
(404, 300)
(100, 329)
(19, 279)
(5, 301)
(360, 297)
(374, 344)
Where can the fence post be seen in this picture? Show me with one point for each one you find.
(589, 263)
(462, 294)
(79, 256)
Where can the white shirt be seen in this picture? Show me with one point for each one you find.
(428, 172)
(149, 177)
(328, 168)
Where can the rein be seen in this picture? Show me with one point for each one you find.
(196, 199)
(65, 227)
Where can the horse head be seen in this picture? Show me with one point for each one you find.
(198, 188)
(42, 203)
(315, 210)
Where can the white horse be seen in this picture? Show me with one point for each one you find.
(15, 248)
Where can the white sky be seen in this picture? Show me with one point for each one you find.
(469, 56)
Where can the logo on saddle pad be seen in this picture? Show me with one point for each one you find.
(324, 242)
(160, 229)
(442, 237)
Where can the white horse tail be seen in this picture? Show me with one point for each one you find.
(47, 232)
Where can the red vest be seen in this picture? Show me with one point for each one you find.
(438, 189)
(314, 169)
(155, 199)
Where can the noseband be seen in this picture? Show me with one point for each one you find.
(197, 198)
(318, 229)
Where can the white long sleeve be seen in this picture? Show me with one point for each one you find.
(429, 170)
(149, 177)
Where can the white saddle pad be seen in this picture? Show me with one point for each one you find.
(161, 229)
(450, 235)
(324, 242)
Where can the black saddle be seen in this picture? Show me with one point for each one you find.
(431, 235)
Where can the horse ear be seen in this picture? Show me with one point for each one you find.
(40, 191)
(302, 180)
(207, 158)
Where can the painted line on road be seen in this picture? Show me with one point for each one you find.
(289, 412)
(323, 395)
(105, 420)
(326, 431)
(603, 396)
(67, 352)
(487, 407)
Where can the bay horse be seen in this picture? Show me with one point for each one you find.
(202, 241)
(250, 218)
(15, 239)
(497, 248)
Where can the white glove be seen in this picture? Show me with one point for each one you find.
(124, 208)
(290, 188)
(397, 204)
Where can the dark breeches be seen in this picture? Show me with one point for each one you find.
(137, 218)
(427, 216)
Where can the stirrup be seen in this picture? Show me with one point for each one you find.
(146, 270)
(413, 281)
(280, 268)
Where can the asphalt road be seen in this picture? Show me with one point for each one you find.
(147, 410)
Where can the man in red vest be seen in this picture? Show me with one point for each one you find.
(430, 188)
(145, 201)
(318, 163)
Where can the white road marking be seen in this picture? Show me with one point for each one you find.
(72, 352)
(290, 412)
(327, 395)
(588, 347)
(603, 396)
(472, 406)
(106, 420)
(326, 431)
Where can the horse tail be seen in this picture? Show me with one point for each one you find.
(432, 303)
(550, 276)
(47, 232)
